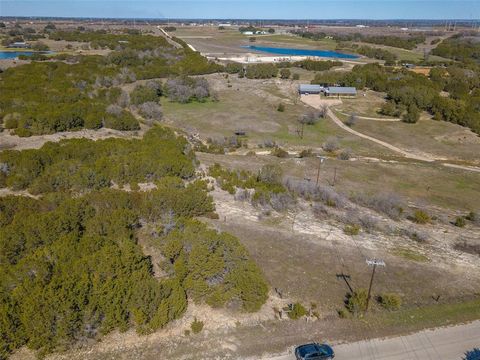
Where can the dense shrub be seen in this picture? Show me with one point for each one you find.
(473, 216)
(421, 217)
(412, 115)
(357, 302)
(352, 229)
(316, 65)
(261, 71)
(81, 164)
(196, 326)
(460, 221)
(213, 267)
(142, 94)
(297, 311)
(71, 267)
(233, 68)
(390, 301)
(266, 185)
(377, 53)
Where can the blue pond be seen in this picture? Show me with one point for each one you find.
(302, 52)
(14, 54)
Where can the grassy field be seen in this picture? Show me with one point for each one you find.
(291, 40)
(367, 103)
(304, 267)
(403, 54)
(251, 105)
(439, 138)
(230, 41)
(455, 190)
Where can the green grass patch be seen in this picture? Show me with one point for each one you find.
(432, 315)
(410, 255)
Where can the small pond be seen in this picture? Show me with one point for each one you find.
(15, 54)
(301, 52)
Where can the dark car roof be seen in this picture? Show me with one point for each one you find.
(314, 350)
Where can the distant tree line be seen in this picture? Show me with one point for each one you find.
(376, 53)
(459, 48)
(266, 71)
(311, 65)
(408, 42)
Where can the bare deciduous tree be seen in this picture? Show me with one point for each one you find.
(151, 110)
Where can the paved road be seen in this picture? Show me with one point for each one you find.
(449, 343)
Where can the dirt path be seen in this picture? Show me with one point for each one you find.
(368, 118)
(8, 141)
(313, 102)
(408, 154)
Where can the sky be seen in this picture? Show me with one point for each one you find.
(246, 9)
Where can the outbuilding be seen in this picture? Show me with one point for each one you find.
(340, 91)
(306, 89)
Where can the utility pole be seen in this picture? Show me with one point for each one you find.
(321, 159)
(374, 263)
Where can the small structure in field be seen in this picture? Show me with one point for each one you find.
(306, 89)
(19, 45)
(340, 91)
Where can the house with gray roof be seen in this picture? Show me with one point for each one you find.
(340, 91)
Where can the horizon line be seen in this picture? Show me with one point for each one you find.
(229, 19)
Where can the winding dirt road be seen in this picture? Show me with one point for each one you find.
(314, 102)
(370, 118)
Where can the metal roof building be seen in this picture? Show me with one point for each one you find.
(310, 89)
(340, 91)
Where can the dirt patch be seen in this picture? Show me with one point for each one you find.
(14, 142)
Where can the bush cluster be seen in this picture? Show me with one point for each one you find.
(390, 301)
(69, 92)
(266, 184)
(80, 165)
(186, 89)
(70, 265)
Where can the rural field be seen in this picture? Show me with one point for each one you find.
(157, 202)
